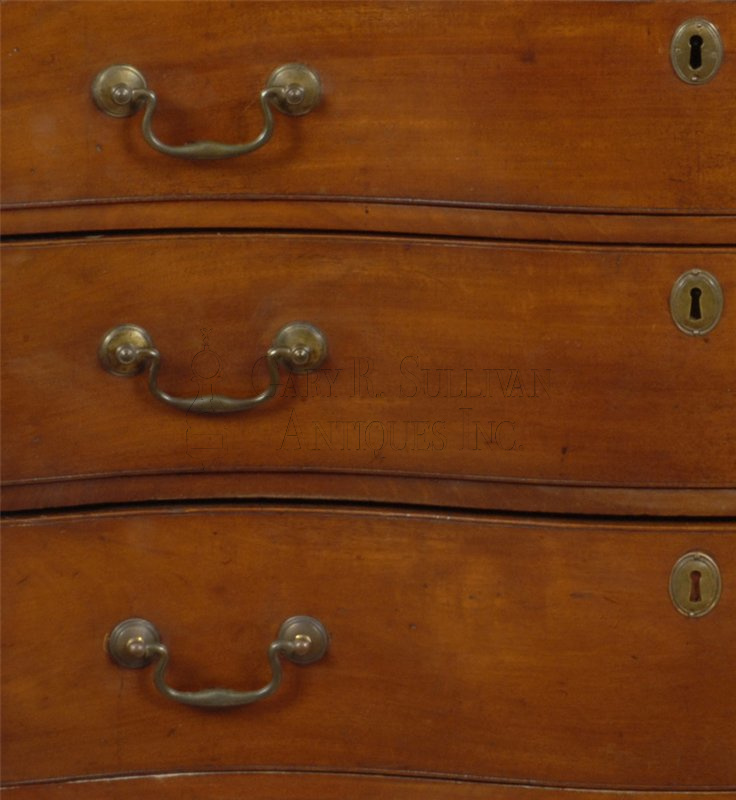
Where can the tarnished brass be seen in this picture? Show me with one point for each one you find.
(123, 349)
(696, 51)
(128, 641)
(120, 90)
(135, 643)
(126, 350)
(295, 89)
(306, 344)
(696, 302)
(695, 584)
(112, 90)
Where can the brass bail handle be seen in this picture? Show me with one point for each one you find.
(135, 643)
(120, 90)
(126, 350)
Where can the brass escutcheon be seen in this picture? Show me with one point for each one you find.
(696, 302)
(696, 51)
(695, 584)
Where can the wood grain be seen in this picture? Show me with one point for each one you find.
(472, 656)
(521, 650)
(512, 105)
(551, 366)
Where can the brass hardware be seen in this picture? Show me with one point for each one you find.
(126, 350)
(113, 87)
(696, 51)
(120, 90)
(695, 584)
(122, 350)
(696, 302)
(135, 643)
(295, 89)
(128, 641)
(306, 345)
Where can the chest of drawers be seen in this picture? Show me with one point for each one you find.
(475, 308)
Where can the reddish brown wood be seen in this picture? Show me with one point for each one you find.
(513, 650)
(517, 105)
(427, 491)
(471, 655)
(308, 786)
(378, 217)
(587, 381)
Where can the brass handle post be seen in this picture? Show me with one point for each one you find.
(126, 350)
(121, 90)
(135, 643)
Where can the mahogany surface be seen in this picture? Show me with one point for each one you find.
(491, 186)
(512, 649)
(519, 363)
(498, 104)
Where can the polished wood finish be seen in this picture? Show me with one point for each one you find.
(375, 217)
(552, 366)
(562, 178)
(310, 786)
(551, 650)
(415, 491)
(492, 104)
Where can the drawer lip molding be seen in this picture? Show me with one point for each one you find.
(370, 216)
(581, 649)
(314, 784)
(412, 491)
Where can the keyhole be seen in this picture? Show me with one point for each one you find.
(695, 577)
(695, 312)
(696, 52)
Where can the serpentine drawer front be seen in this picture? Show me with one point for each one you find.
(553, 649)
(457, 360)
(527, 105)
(368, 399)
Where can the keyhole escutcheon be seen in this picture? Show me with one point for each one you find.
(695, 584)
(696, 51)
(696, 302)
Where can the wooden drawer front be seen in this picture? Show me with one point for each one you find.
(541, 365)
(550, 652)
(535, 104)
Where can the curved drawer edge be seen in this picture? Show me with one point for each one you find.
(411, 491)
(319, 786)
(593, 685)
(371, 215)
